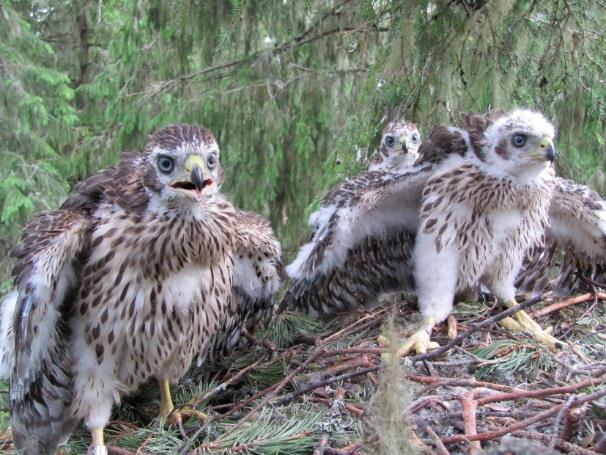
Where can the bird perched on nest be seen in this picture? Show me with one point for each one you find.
(479, 218)
(573, 255)
(131, 279)
(399, 147)
(349, 260)
(357, 252)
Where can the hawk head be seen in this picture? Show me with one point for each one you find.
(399, 144)
(182, 164)
(520, 144)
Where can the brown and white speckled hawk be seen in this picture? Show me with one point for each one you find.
(365, 228)
(399, 147)
(573, 256)
(363, 232)
(137, 274)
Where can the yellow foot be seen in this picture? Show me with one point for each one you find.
(97, 447)
(418, 342)
(177, 416)
(173, 416)
(525, 323)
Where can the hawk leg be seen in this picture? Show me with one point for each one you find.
(419, 341)
(98, 447)
(524, 323)
(167, 408)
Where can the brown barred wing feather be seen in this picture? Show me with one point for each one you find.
(258, 272)
(575, 244)
(361, 243)
(46, 275)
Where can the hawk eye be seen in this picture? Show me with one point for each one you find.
(518, 140)
(166, 164)
(390, 140)
(415, 138)
(211, 161)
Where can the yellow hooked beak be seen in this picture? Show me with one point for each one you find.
(546, 149)
(193, 180)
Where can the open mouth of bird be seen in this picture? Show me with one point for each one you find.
(190, 186)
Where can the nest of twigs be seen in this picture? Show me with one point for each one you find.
(305, 386)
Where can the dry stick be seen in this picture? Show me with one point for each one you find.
(571, 423)
(112, 450)
(337, 369)
(351, 449)
(354, 350)
(486, 323)
(321, 446)
(441, 448)
(565, 409)
(279, 387)
(470, 405)
(187, 444)
(524, 423)
(364, 320)
(541, 392)
(569, 447)
(452, 327)
(315, 384)
(566, 303)
(221, 387)
(459, 382)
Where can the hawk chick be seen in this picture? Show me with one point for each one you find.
(400, 142)
(478, 218)
(131, 279)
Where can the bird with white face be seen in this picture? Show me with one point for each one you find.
(479, 217)
(399, 147)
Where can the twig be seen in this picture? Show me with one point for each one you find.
(278, 387)
(566, 303)
(187, 444)
(571, 422)
(452, 327)
(337, 369)
(364, 322)
(351, 449)
(321, 446)
(441, 448)
(567, 406)
(486, 323)
(315, 384)
(112, 450)
(524, 423)
(470, 404)
(541, 392)
(437, 381)
(564, 445)
(221, 387)
(354, 350)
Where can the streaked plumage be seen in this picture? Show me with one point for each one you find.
(478, 218)
(574, 255)
(575, 240)
(258, 271)
(358, 249)
(375, 205)
(399, 147)
(131, 279)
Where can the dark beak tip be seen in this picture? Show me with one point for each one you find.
(550, 153)
(197, 178)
